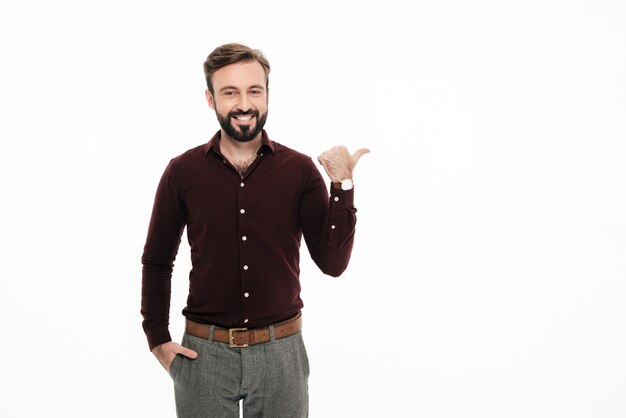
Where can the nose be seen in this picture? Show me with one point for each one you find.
(244, 103)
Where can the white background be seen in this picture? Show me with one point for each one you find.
(488, 273)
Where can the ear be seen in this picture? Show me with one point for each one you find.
(209, 99)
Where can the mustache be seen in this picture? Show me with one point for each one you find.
(250, 112)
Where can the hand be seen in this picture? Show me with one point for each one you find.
(166, 352)
(338, 162)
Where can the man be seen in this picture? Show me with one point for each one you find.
(246, 202)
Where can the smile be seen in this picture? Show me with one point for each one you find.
(243, 118)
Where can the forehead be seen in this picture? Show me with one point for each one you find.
(241, 75)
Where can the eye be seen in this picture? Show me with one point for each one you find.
(229, 93)
(256, 92)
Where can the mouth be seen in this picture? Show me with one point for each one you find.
(243, 119)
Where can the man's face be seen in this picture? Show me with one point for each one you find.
(240, 99)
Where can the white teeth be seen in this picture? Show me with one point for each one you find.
(244, 118)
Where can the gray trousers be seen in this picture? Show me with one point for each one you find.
(271, 378)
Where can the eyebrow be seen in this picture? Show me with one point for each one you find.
(255, 86)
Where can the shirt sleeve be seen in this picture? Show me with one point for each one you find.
(328, 223)
(164, 234)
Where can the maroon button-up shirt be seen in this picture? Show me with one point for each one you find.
(244, 235)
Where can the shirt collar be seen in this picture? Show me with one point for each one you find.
(214, 143)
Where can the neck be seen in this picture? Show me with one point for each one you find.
(237, 150)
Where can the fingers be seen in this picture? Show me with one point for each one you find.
(166, 352)
(187, 352)
(339, 163)
(341, 150)
(332, 153)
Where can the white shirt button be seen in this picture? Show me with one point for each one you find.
(332, 227)
(244, 238)
(245, 267)
(245, 321)
(242, 211)
(336, 199)
(246, 294)
(241, 185)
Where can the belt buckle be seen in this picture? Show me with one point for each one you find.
(231, 337)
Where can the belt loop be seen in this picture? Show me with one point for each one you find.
(272, 335)
(211, 330)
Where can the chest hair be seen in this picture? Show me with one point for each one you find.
(242, 165)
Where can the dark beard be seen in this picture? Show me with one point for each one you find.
(247, 133)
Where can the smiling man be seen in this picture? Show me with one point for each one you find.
(246, 202)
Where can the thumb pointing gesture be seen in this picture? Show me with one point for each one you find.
(339, 163)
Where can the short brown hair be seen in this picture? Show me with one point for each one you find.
(230, 54)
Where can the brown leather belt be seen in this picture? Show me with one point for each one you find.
(242, 337)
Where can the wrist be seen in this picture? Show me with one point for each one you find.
(345, 184)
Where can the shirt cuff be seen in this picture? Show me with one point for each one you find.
(341, 199)
(157, 336)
